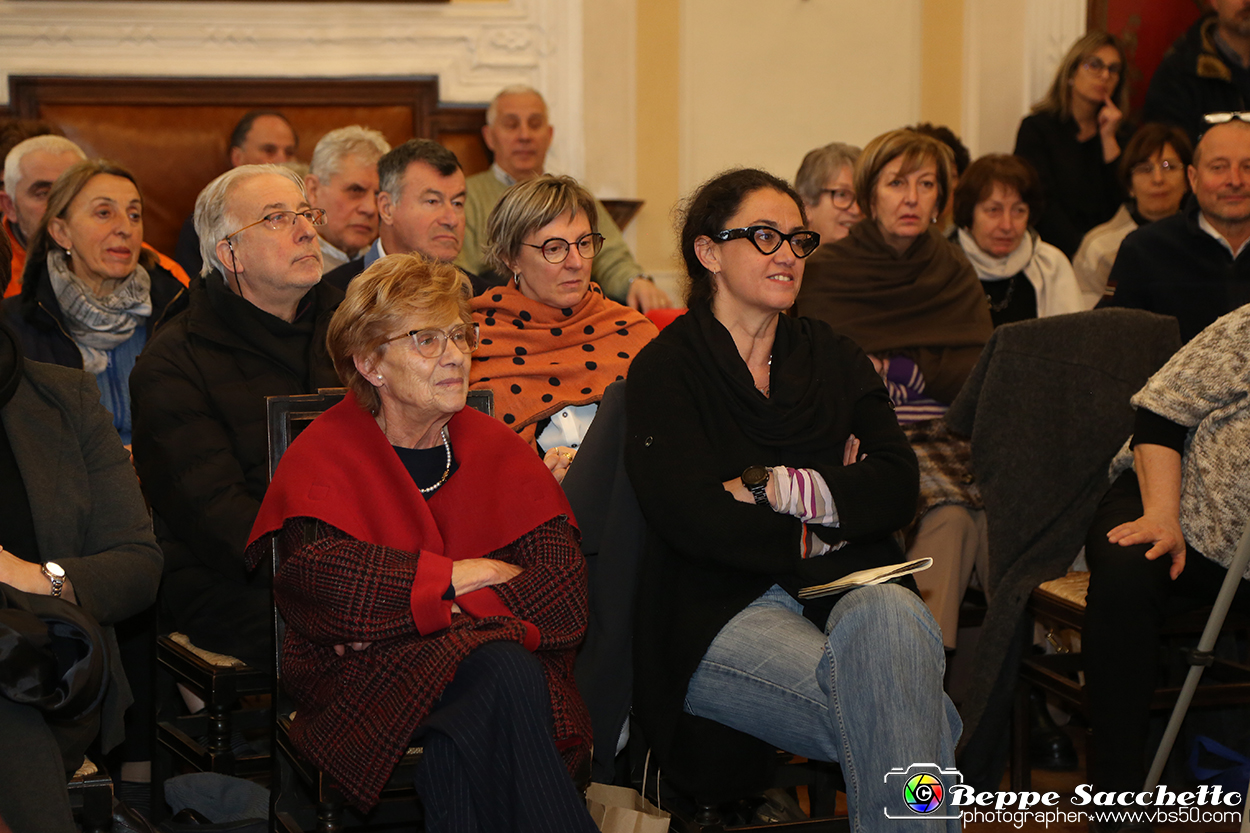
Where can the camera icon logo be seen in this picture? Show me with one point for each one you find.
(921, 790)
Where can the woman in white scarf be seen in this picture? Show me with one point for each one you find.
(91, 293)
(1023, 277)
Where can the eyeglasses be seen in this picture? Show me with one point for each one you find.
(843, 198)
(1096, 66)
(556, 249)
(768, 239)
(283, 220)
(1225, 118)
(432, 343)
(1146, 168)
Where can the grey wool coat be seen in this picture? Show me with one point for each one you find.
(88, 513)
(1047, 407)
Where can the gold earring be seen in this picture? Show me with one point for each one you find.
(516, 278)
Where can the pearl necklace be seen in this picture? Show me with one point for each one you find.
(446, 471)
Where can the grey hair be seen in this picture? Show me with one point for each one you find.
(819, 165)
(47, 143)
(511, 89)
(213, 217)
(366, 144)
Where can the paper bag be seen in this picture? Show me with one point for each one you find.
(623, 810)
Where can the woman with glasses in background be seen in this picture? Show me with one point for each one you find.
(1153, 170)
(551, 341)
(1073, 140)
(766, 458)
(426, 605)
(826, 183)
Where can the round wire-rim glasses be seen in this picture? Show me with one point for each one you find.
(768, 239)
(431, 342)
(283, 220)
(556, 249)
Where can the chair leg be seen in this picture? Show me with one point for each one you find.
(330, 816)
(1021, 775)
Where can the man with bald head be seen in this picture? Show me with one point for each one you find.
(519, 135)
(1194, 264)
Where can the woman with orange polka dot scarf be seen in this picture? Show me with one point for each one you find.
(551, 341)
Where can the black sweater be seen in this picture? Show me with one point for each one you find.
(1173, 267)
(708, 555)
(200, 429)
(1079, 189)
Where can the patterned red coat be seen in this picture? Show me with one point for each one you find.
(377, 568)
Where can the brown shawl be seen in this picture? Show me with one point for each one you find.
(538, 359)
(926, 304)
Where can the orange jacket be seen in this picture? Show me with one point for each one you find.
(19, 263)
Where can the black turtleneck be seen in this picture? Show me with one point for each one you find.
(286, 342)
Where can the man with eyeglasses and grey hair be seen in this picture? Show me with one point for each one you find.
(518, 133)
(1193, 265)
(343, 180)
(255, 327)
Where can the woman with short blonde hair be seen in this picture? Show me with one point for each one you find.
(425, 604)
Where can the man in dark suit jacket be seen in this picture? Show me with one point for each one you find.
(421, 194)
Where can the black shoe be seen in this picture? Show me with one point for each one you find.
(126, 820)
(1049, 746)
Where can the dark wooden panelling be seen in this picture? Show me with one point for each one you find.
(172, 133)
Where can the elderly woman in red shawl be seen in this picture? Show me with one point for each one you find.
(551, 341)
(424, 602)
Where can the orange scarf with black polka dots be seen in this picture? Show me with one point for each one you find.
(539, 359)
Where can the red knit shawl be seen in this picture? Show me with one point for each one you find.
(342, 470)
(539, 359)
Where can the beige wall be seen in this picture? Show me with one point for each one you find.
(722, 83)
(941, 62)
(658, 136)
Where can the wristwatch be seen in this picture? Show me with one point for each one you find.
(755, 478)
(56, 574)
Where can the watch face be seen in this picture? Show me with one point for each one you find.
(55, 569)
(754, 476)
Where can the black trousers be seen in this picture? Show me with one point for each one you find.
(36, 760)
(1129, 597)
(490, 765)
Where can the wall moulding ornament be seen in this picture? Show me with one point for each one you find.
(473, 49)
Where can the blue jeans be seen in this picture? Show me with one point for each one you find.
(866, 693)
